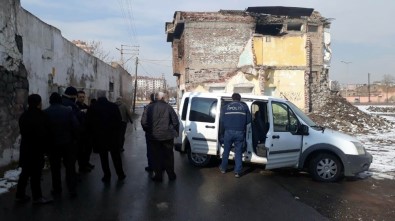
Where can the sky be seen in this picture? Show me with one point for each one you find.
(362, 32)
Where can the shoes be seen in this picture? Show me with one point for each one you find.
(22, 199)
(42, 200)
(90, 166)
(222, 171)
(157, 179)
(149, 169)
(172, 177)
(85, 169)
(237, 175)
(56, 192)
(106, 179)
(122, 177)
(73, 194)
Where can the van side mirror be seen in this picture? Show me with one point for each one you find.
(303, 130)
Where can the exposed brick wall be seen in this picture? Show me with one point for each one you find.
(14, 89)
(213, 49)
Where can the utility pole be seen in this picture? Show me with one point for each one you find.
(135, 86)
(127, 49)
(369, 87)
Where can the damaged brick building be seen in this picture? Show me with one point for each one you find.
(277, 51)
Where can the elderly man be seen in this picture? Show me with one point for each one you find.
(160, 122)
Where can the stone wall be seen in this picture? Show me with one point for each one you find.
(36, 58)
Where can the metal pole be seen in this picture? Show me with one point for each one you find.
(369, 87)
(135, 86)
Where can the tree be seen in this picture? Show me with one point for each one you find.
(96, 49)
(388, 81)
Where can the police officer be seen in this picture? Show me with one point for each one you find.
(233, 120)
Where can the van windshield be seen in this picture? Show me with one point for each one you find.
(302, 115)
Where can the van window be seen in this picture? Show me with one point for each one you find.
(184, 109)
(203, 109)
(284, 120)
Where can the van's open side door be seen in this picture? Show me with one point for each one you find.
(202, 125)
(283, 144)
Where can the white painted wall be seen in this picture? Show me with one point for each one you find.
(46, 52)
(52, 63)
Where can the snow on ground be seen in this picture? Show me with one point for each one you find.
(379, 143)
(9, 180)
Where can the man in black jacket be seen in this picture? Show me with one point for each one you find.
(63, 128)
(160, 122)
(104, 125)
(35, 132)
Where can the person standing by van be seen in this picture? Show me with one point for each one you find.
(161, 124)
(233, 120)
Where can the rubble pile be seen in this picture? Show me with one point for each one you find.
(338, 114)
(381, 109)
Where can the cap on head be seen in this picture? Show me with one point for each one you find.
(71, 91)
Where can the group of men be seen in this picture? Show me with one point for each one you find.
(67, 131)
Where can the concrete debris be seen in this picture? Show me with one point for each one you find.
(337, 113)
(381, 109)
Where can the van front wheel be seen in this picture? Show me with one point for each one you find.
(326, 168)
(198, 159)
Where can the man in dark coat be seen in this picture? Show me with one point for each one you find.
(84, 149)
(35, 133)
(104, 125)
(161, 124)
(63, 128)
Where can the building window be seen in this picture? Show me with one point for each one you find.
(294, 27)
(312, 28)
(111, 87)
(273, 29)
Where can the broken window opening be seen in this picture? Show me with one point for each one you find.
(273, 29)
(294, 27)
(312, 28)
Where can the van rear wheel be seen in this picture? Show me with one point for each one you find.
(198, 159)
(326, 167)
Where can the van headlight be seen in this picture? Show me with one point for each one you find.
(360, 148)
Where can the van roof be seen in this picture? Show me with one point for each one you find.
(229, 95)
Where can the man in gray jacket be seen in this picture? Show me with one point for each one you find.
(160, 122)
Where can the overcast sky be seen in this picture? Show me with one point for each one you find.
(363, 33)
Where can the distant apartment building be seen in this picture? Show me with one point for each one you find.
(278, 51)
(83, 45)
(147, 85)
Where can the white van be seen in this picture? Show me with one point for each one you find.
(280, 135)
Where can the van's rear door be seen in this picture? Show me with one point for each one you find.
(201, 124)
(283, 144)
